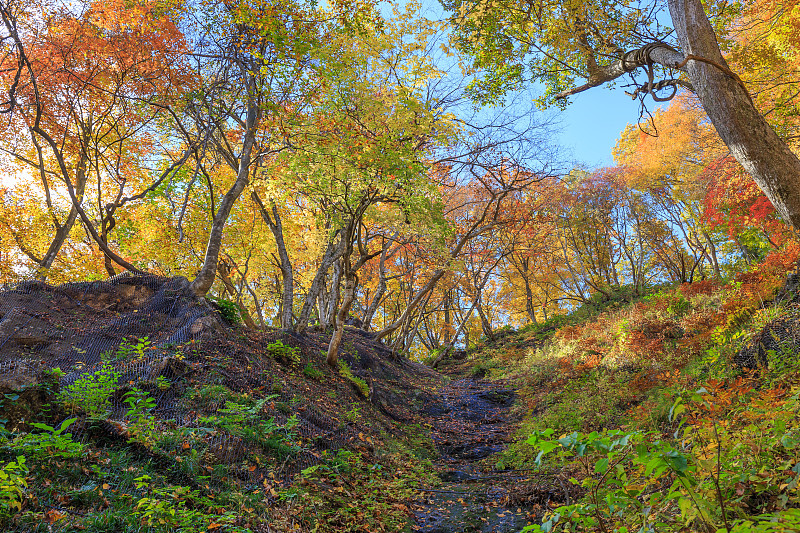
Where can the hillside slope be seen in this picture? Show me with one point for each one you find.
(129, 405)
(679, 411)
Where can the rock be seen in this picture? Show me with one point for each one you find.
(25, 389)
(169, 367)
(206, 324)
(32, 339)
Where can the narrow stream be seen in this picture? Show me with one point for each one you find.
(471, 421)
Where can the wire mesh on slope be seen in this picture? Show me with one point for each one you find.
(79, 326)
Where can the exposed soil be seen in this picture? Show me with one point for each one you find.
(191, 347)
(76, 326)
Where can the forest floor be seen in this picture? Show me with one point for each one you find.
(134, 407)
(237, 430)
(471, 421)
(130, 406)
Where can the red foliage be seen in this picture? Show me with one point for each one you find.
(707, 286)
(734, 201)
(782, 261)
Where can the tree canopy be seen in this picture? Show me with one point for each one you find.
(351, 164)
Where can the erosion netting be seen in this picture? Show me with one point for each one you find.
(162, 340)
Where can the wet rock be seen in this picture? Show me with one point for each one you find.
(455, 476)
(436, 409)
(471, 423)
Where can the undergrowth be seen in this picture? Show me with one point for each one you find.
(677, 411)
(142, 472)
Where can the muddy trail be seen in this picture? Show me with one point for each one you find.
(471, 422)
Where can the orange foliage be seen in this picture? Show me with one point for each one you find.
(706, 287)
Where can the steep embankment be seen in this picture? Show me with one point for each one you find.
(132, 406)
(679, 411)
(129, 406)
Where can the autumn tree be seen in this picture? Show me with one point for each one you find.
(251, 58)
(84, 92)
(572, 47)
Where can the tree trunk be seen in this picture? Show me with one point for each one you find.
(475, 303)
(437, 275)
(347, 301)
(256, 304)
(333, 296)
(713, 250)
(486, 324)
(62, 230)
(332, 253)
(224, 274)
(205, 277)
(751, 140)
(287, 272)
(448, 324)
(381, 289)
(449, 346)
(323, 297)
(529, 308)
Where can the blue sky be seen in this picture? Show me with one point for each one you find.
(592, 123)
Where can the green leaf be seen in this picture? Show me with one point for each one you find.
(65, 424)
(678, 462)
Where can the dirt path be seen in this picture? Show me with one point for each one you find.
(471, 421)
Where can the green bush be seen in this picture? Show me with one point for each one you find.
(132, 350)
(143, 424)
(13, 483)
(284, 353)
(229, 310)
(49, 443)
(169, 508)
(91, 393)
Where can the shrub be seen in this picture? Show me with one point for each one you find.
(283, 353)
(133, 350)
(91, 393)
(143, 424)
(229, 310)
(12, 486)
(170, 508)
(50, 442)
